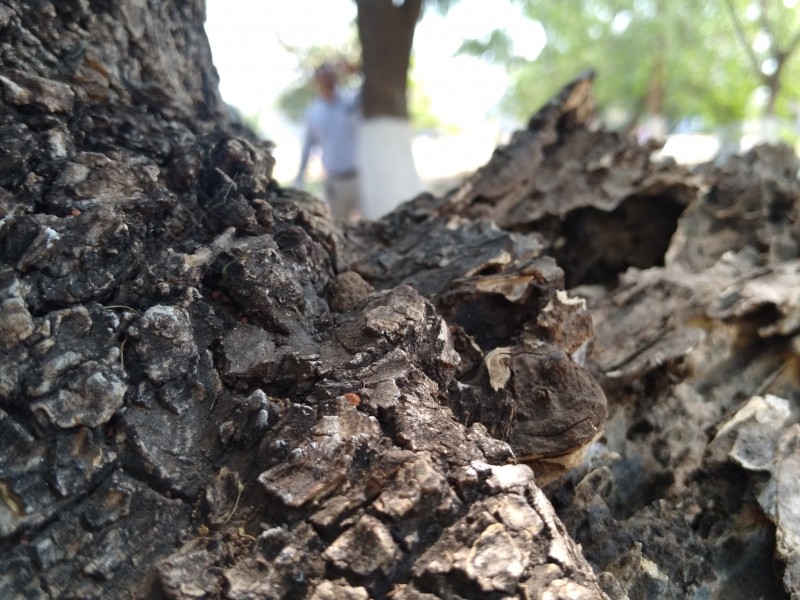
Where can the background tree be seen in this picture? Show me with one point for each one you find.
(386, 33)
(654, 58)
(387, 173)
(386, 30)
(768, 32)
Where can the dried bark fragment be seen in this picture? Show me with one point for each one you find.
(348, 289)
(752, 203)
(500, 296)
(678, 351)
(763, 436)
(498, 544)
(596, 198)
(24, 89)
(364, 549)
(328, 590)
(16, 323)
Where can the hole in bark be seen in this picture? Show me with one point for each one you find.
(472, 316)
(639, 430)
(642, 488)
(492, 319)
(489, 269)
(599, 245)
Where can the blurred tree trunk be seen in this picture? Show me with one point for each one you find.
(386, 32)
(387, 173)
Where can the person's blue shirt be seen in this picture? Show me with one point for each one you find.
(331, 125)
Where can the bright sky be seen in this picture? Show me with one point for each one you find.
(254, 68)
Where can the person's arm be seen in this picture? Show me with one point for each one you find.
(308, 143)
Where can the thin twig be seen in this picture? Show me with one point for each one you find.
(742, 37)
(240, 488)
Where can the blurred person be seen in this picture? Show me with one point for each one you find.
(330, 124)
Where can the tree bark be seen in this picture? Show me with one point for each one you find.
(182, 412)
(210, 390)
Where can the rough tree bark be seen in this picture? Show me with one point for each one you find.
(208, 389)
(183, 414)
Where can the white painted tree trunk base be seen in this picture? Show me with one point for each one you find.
(386, 171)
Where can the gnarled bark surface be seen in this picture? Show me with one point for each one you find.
(208, 389)
(199, 398)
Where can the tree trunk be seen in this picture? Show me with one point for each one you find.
(386, 32)
(387, 173)
(210, 390)
(182, 412)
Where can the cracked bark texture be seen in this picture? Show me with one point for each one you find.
(198, 396)
(210, 390)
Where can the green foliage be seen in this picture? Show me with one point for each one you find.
(653, 57)
(498, 47)
(250, 120)
(297, 97)
(420, 112)
(768, 33)
(442, 6)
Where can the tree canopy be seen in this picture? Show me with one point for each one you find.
(658, 58)
(719, 62)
